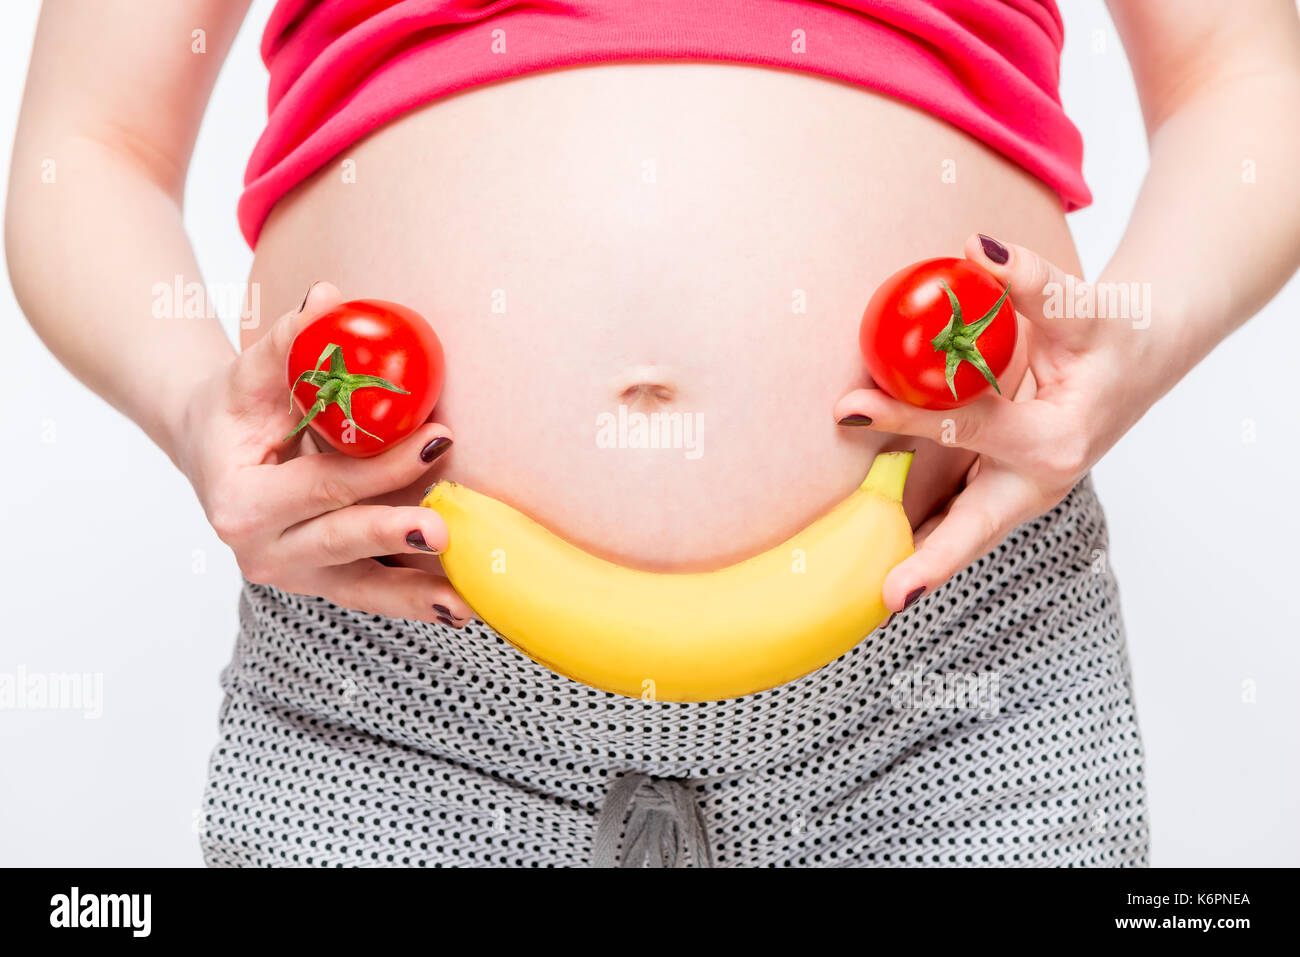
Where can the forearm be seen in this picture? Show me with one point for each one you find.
(1215, 231)
(89, 238)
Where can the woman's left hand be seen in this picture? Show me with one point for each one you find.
(1089, 380)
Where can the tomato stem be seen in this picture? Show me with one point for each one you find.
(336, 385)
(958, 340)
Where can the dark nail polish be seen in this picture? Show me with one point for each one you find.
(446, 621)
(303, 304)
(912, 596)
(855, 419)
(995, 250)
(435, 448)
(416, 540)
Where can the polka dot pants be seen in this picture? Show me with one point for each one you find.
(992, 724)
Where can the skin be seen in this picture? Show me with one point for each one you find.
(1215, 83)
(668, 298)
(117, 102)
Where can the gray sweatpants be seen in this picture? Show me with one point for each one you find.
(990, 724)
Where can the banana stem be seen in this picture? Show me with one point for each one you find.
(888, 474)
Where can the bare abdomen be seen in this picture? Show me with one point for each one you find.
(600, 246)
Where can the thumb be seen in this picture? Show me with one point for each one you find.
(261, 373)
(1039, 288)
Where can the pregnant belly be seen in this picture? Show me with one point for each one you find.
(648, 280)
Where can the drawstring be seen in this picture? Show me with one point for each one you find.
(665, 828)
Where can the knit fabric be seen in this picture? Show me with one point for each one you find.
(990, 724)
(340, 69)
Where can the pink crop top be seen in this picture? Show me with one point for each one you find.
(341, 68)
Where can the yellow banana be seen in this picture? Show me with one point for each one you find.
(681, 637)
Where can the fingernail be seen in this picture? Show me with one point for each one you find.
(995, 250)
(416, 540)
(446, 612)
(435, 448)
(308, 296)
(446, 621)
(912, 596)
(855, 419)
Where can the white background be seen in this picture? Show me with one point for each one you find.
(101, 539)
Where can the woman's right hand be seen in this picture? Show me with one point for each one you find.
(292, 514)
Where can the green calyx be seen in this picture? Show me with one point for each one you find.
(958, 340)
(336, 385)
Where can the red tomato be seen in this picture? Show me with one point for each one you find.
(366, 375)
(938, 333)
